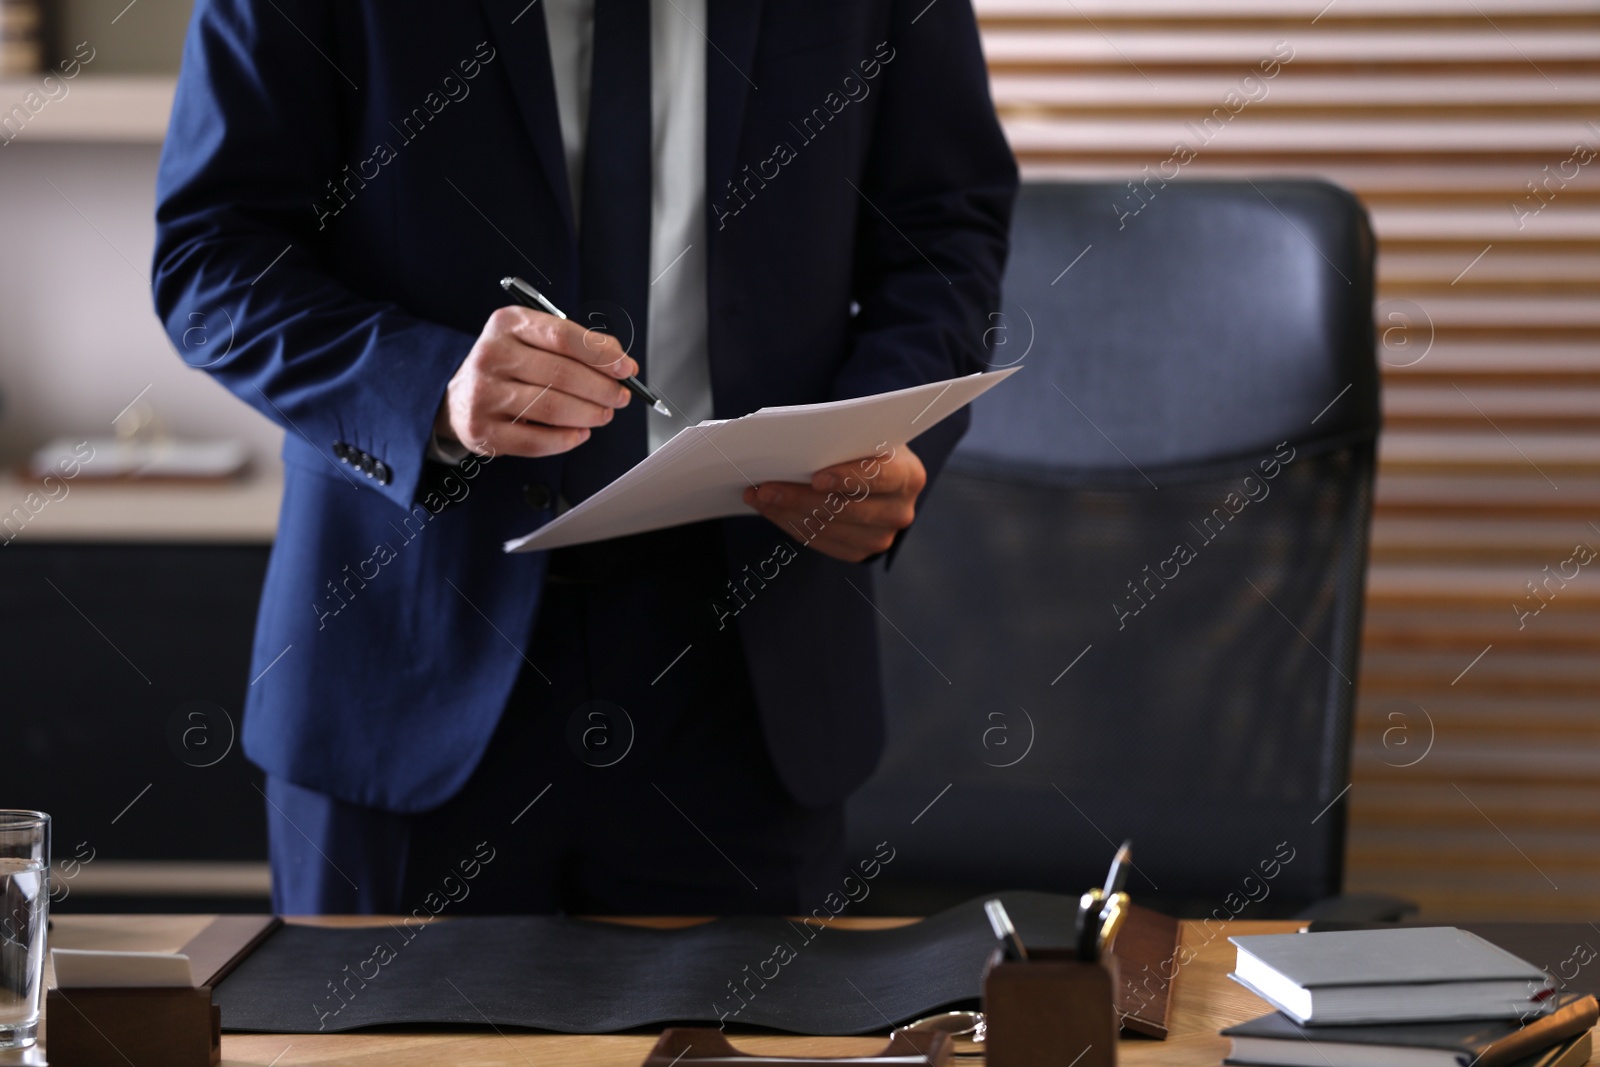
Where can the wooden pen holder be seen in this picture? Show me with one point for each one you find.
(1050, 1010)
(145, 1027)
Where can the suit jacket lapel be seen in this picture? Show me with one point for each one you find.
(730, 61)
(519, 34)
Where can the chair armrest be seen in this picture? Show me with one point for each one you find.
(1360, 908)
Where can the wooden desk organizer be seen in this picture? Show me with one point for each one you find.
(174, 1026)
(167, 1027)
(1050, 1010)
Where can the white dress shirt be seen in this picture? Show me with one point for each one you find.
(676, 363)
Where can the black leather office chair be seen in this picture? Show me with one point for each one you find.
(1132, 607)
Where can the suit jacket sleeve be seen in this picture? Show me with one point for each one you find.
(937, 192)
(254, 143)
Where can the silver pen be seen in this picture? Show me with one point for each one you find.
(529, 297)
(1004, 932)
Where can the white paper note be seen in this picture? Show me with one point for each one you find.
(93, 969)
(703, 471)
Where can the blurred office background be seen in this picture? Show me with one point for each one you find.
(1470, 129)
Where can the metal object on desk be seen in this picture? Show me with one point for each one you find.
(706, 1045)
(967, 1030)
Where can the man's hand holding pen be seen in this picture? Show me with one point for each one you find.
(536, 382)
(533, 385)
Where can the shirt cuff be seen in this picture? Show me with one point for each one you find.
(447, 452)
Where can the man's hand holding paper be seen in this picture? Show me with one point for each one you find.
(850, 511)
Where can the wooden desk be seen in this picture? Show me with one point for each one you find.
(1205, 1002)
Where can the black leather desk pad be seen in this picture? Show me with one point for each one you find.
(576, 976)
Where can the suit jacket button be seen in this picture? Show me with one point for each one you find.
(383, 473)
(341, 450)
(538, 496)
(366, 464)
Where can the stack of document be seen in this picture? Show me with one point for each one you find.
(1406, 997)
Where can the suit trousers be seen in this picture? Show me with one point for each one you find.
(628, 774)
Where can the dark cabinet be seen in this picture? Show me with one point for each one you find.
(124, 669)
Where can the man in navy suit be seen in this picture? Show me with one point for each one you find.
(745, 202)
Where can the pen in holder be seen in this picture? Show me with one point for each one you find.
(1056, 1005)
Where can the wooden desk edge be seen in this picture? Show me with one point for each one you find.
(1204, 1001)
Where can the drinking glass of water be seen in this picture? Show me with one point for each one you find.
(24, 912)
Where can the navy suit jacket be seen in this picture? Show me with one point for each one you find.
(342, 186)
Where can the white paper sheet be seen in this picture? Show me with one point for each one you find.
(93, 969)
(703, 471)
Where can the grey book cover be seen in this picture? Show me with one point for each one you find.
(1386, 957)
(1483, 1042)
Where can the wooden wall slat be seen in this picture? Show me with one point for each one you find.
(1284, 12)
(1463, 125)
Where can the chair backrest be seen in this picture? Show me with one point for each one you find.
(1132, 606)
